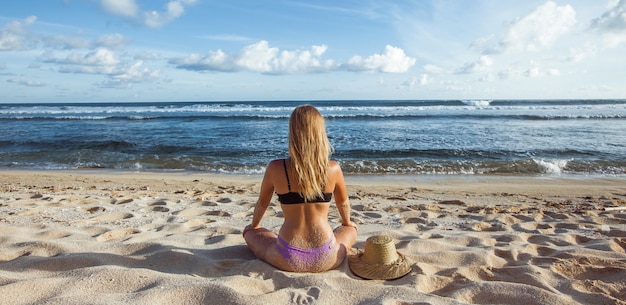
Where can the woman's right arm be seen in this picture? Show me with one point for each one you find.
(265, 197)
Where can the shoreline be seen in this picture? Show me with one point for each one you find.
(357, 177)
(102, 237)
(540, 183)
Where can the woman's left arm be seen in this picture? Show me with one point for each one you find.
(341, 196)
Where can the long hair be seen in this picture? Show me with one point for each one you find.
(309, 150)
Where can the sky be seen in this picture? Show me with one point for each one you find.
(208, 50)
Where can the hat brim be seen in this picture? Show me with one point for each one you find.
(377, 271)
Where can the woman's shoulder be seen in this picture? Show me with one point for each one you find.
(277, 161)
(334, 167)
(275, 164)
(334, 164)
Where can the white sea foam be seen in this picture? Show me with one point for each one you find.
(553, 167)
(478, 103)
(382, 109)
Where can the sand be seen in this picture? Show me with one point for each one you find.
(101, 237)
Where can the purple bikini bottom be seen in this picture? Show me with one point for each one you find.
(305, 259)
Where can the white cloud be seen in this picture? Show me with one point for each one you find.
(392, 60)
(102, 61)
(156, 19)
(135, 73)
(534, 71)
(581, 53)
(481, 65)
(261, 57)
(145, 55)
(98, 57)
(112, 41)
(14, 36)
(416, 81)
(612, 25)
(319, 50)
(27, 83)
(433, 69)
(553, 72)
(125, 8)
(256, 57)
(300, 61)
(424, 79)
(613, 20)
(214, 61)
(611, 40)
(64, 42)
(534, 32)
(150, 18)
(30, 20)
(540, 28)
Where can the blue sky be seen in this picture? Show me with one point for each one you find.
(202, 50)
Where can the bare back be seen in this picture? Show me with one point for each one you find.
(306, 224)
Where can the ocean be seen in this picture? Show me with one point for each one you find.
(457, 137)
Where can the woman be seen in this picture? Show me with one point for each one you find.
(305, 184)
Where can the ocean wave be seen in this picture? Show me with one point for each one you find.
(478, 103)
(370, 137)
(335, 109)
(399, 113)
(350, 167)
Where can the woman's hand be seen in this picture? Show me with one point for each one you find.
(248, 228)
(351, 224)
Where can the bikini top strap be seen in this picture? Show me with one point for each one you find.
(286, 174)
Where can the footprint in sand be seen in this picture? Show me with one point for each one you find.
(247, 204)
(116, 234)
(416, 220)
(243, 215)
(109, 217)
(191, 212)
(160, 209)
(219, 213)
(488, 227)
(533, 227)
(557, 215)
(53, 234)
(96, 209)
(548, 241)
(582, 269)
(194, 223)
(158, 202)
(206, 203)
(358, 207)
(618, 245)
(121, 201)
(372, 215)
(311, 295)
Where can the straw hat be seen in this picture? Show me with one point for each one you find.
(379, 260)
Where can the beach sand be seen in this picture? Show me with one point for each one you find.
(103, 237)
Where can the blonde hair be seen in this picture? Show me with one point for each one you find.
(309, 150)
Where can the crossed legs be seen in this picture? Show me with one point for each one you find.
(262, 242)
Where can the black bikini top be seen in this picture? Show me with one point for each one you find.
(293, 197)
